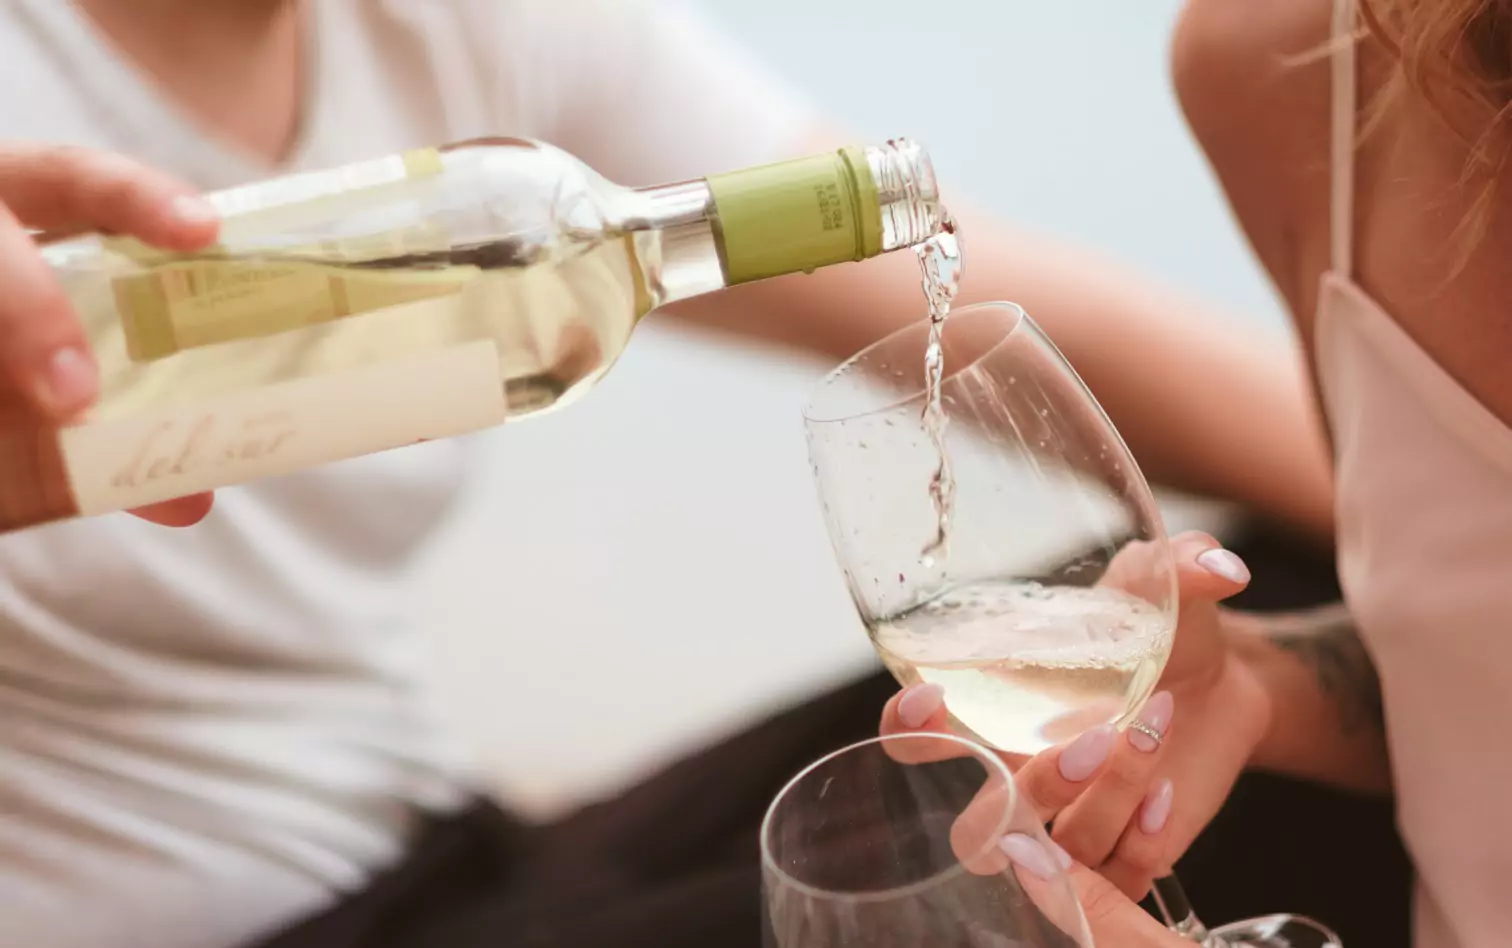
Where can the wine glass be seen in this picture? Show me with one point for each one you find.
(1051, 607)
(903, 842)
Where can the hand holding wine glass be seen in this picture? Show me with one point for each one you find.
(1113, 796)
(1114, 773)
(1028, 655)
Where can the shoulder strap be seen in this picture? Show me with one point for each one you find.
(1345, 106)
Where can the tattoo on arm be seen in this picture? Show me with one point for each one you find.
(1327, 642)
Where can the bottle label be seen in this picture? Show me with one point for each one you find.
(797, 216)
(312, 186)
(117, 464)
(181, 306)
(174, 305)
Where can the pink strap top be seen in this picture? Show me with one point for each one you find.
(1424, 507)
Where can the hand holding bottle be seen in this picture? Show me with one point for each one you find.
(500, 277)
(46, 367)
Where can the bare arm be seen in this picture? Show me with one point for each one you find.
(1205, 407)
(1327, 720)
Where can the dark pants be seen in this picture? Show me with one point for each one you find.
(674, 861)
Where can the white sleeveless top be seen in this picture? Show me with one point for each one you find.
(1424, 507)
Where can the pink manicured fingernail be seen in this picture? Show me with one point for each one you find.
(1028, 854)
(1156, 715)
(69, 381)
(1225, 564)
(920, 703)
(1083, 756)
(1157, 808)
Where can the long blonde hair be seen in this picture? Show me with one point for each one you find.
(1457, 56)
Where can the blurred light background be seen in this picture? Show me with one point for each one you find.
(649, 570)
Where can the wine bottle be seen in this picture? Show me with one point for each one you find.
(411, 298)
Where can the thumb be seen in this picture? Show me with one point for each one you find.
(1205, 571)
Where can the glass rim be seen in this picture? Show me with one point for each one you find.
(993, 763)
(811, 417)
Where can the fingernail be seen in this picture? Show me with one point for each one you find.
(920, 703)
(69, 381)
(1157, 808)
(1224, 563)
(190, 209)
(1083, 756)
(1028, 854)
(1156, 715)
(1061, 856)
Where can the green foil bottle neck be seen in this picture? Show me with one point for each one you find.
(797, 216)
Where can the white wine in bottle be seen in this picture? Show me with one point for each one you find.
(412, 298)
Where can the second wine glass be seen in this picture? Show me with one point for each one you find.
(912, 841)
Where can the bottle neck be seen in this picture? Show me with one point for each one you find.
(678, 246)
(793, 216)
(907, 194)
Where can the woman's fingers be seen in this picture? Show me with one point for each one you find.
(1205, 571)
(1143, 851)
(919, 709)
(1115, 767)
(981, 836)
(1089, 827)
(976, 835)
(1051, 780)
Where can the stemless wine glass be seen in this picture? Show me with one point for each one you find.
(904, 842)
(1052, 607)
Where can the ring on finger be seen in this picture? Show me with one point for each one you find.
(1148, 731)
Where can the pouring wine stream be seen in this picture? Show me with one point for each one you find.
(940, 261)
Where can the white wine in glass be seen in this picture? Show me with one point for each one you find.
(1026, 665)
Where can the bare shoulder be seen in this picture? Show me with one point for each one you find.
(1253, 81)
